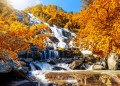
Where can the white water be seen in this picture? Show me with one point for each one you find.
(90, 67)
(46, 68)
(58, 33)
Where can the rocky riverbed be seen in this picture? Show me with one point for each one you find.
(86, 70)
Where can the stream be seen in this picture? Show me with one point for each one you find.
(47, 68)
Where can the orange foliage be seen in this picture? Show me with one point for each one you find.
(52, 14)
(99, 27)
(15, 36)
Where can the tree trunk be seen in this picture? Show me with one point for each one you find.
(112, 61)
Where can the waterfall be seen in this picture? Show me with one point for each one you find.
(32, 54)
(41, 55)
(49, 54)
(56, 55)
(44, 54)
(90, 67)
(44, 66)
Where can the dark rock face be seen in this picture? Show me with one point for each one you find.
(51, 62)
(89, 58)
(58, 68)
(4, 67)
(11, 65)
(68, 54)
(54, 39)
(26, 60)
(69, 62)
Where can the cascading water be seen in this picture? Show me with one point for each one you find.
(32, 67)
(64, 41)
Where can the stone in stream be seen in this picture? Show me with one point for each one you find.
(14, 66)
(51, 62)
(98, 67)
(58, 68)
(76, 64)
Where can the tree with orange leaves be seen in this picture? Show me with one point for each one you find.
(17, 36)
(100, 28)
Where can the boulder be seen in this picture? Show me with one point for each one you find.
(113, 61)
(75, 64)
(4, 68)
(98, 67)
(26, 60)
(15, 67)
(89, 58)
(51, 62)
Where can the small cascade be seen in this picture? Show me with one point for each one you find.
(44, 66)
(32, 67)
(45, 54)
(41, 55)
(56, 54)
(50, 54)
(90, 67)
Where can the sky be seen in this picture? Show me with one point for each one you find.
(67, 5)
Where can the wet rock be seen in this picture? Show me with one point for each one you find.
(58, 68)
(36, 66)
(98, 67)
(4, 68)
(89, 58)
(69, 62)
(25, 68)
(15, 67)
(22, 63)
(75, 64)
(51, 62)
(26, 60)
(68, 53)
(101, 63)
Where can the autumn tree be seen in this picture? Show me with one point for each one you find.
(17, 36)
(100, 27)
